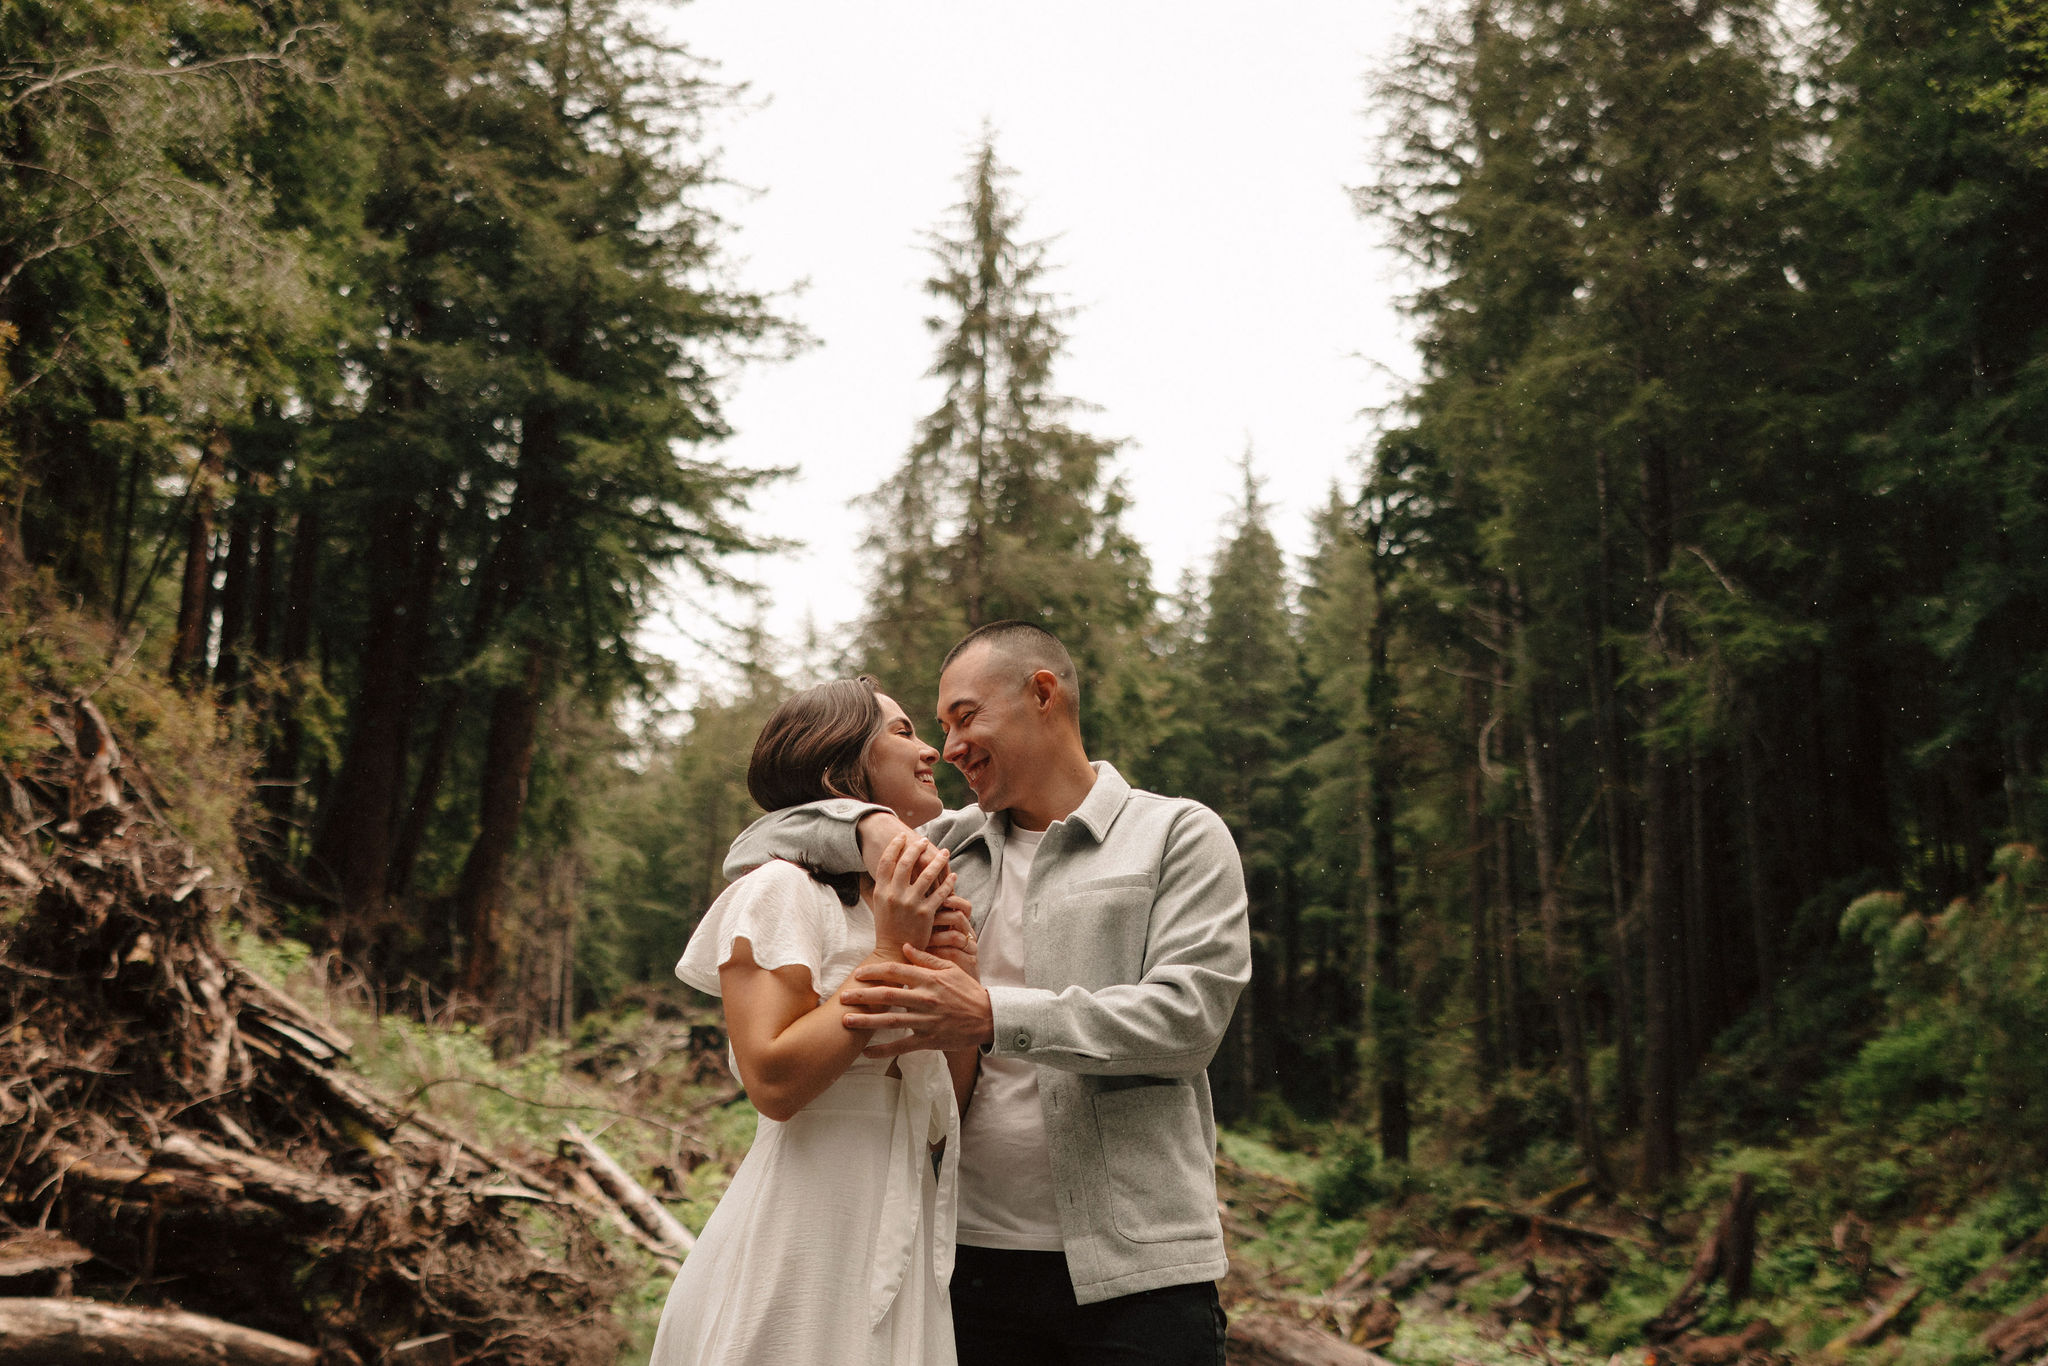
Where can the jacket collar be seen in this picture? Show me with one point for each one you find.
(1104, 802)
(1096, 813)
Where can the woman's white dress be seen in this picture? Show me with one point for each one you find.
(833, 1245)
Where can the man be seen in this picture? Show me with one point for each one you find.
(1113, 942)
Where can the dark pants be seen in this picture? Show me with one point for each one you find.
(1018, 1309)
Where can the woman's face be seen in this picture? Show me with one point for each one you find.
(900, 767)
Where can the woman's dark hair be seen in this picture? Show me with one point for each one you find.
(815, 746)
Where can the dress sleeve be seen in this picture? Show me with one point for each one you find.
(779, 909)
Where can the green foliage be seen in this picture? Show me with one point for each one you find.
(1350, 1180)
(658, 836)
(2018, 93)
(1967, 1040)
(198, 760)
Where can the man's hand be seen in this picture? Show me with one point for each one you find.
(940, 1004)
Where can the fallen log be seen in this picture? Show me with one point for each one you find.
(1728, 1348)
(1876, 1326)
(273, 1183)
(1356, 1275)
(265, 1005)
(42, 1332)
(2002, 1268)
(1269, 1340)
(36, 1250)
(591, 1198)
(1539, 1222)
(167, 1186)
(1292, 1190)
(1555, 1203)
(630, 1194)
(1407, 1271)
(2020, 1336)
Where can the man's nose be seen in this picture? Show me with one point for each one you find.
(955, 750)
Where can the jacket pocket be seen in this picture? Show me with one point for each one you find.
(1096, 935)
(1162, 1176)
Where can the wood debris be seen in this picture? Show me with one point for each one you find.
(183, 1137)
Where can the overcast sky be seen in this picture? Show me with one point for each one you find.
(1191, 162)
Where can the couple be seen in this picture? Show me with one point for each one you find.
(1005, 1032)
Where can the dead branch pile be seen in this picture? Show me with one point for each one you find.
(179, 1139)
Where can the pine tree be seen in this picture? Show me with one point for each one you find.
(1001, 508)
(1245, 668)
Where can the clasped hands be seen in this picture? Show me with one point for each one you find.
(933, 990)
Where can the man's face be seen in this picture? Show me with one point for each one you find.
(993, 730)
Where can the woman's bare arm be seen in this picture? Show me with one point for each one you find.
(790, 1045)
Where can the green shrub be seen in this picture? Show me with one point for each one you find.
(1350, 1179)
(1913, 1063)
(1968, 998)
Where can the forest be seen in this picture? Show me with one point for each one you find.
(1640, 786)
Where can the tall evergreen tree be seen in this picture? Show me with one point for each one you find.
(1245, 669)
(1001, 507)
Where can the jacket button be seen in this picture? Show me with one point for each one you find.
(1023, 1039)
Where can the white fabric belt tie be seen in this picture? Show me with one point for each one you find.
(925, 1114)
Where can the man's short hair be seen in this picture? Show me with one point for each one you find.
(1030, 648)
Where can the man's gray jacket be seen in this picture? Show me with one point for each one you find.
(1136, 946)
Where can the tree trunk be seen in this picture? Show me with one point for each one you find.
(361, 815)
(500, 586)
(263, 588)
(426, 789)
(1657, 891)
(1661, 884)
(1485, 1026)
(1390, 1020)
(508, 762)
(1702, 1003)
(1559, 969)
(1614, 811)
(1762, 937)
(234, 593)
(295, 639)
(1506, 907)
(125, 539)
(188, 650)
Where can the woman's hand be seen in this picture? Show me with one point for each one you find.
(913, 882)
(953, 937)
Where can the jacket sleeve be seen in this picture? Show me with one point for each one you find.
(1197, 960)
(823, 835)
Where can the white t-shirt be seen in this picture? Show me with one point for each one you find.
(1007, 1198)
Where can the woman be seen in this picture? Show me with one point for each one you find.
(834, 1244)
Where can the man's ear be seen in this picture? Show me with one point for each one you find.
(1044, 686)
